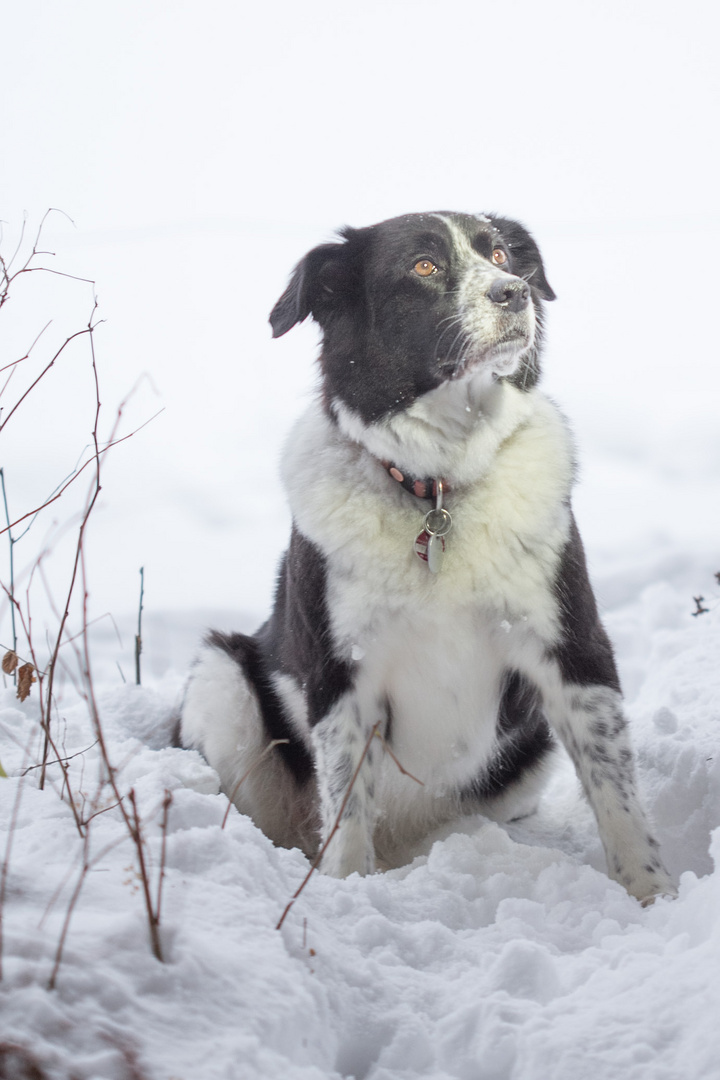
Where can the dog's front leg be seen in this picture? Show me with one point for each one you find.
(594, 731)
(583, 703)
(346, 754)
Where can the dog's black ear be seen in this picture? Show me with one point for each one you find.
(525, 254)
(320, 283)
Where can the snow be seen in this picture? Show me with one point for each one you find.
(498, 952)
(201, 149)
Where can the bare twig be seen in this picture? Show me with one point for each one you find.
(60, 761)
(45, 715)
(46, 676)
(79, 548)
(90, 503)
(6, 861)
(375, 733)
(87, 864)
(6, 267)
(138, 636)
(152, 914)
(76, 475)
(48, 366)
(7, 277)
(403, 770)
(20, 659)
(167, 802)
(336, 826)
(14, 363)
(69, 913)
(11, 590)
(132, 820)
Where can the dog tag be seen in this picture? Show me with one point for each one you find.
(430, 549)
(430, 543)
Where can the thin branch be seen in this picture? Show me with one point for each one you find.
(58, 273)
(167, 802)
(25, 268)
(69, 913)
(78, 579)
(33, 384)
(11, 591)
(138, 636)
(6, 862)
(336, 826)
(103, 450)
(132, 821)
(45, 712)
(58, 891)
(318, 859)
(402, 769)
(97, 813)
(13, 257)
(60, 761)
(87, 865)
(153, 916)
(90, 503)
(14, 363)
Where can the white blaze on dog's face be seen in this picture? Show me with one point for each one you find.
(418, 302)
(495, 320)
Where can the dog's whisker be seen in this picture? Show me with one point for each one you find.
(464, 338)
(456, 320)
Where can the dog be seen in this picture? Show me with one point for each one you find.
(434, 635)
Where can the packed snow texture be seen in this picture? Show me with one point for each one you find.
(499, 952)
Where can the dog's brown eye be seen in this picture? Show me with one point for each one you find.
(425, 268)
(499, 257)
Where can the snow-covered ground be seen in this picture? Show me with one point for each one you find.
(497, 953)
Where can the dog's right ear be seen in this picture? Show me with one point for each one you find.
(320, 283)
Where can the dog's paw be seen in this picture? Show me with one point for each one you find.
(667, 891)
(649, 883)
(342, 858)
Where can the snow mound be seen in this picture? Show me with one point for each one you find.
(499, 952)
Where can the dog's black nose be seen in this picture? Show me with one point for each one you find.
(511, 293)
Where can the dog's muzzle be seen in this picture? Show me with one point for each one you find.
(510, 293)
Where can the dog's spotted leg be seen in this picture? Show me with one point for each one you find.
(346, 754)
(583, 703)
(590, 723)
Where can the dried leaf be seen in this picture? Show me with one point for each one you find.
(26, 678)
(9, 662)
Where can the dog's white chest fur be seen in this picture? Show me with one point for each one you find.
(435, 648)
(509, 486)
(439, 675)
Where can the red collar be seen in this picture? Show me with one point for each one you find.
(421, 487)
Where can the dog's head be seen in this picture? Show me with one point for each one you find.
(418, 301)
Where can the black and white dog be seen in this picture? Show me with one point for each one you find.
(435, 588)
